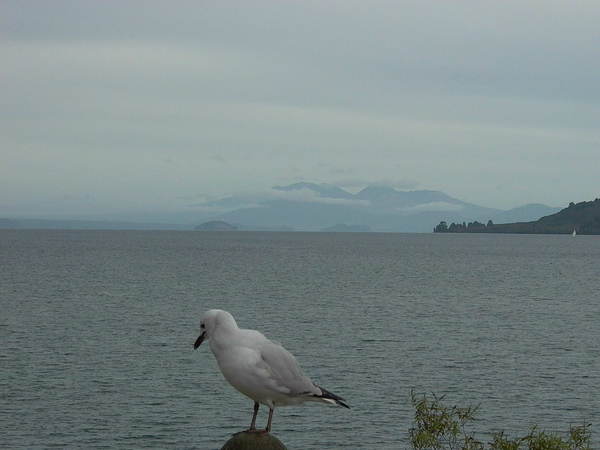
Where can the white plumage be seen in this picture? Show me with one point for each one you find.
(257, 367)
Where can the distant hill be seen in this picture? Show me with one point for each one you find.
(343, 228)
(583, 217)
(524, 213)
(215, 225)
(66, 224)
(9, 223)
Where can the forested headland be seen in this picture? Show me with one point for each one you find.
(583, 217)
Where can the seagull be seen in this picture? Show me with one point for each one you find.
(259, 368)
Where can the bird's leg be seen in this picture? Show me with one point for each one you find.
(252, 428)
(253, 423)
(268, 429)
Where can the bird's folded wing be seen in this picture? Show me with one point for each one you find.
(284, 371)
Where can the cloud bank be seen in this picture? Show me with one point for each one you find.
(492, 102)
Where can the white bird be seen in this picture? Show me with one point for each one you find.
(257, 367)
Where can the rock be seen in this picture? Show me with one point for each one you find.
(253, 441)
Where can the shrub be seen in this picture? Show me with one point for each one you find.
(439, 427)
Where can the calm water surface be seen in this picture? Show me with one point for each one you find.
(97, 330)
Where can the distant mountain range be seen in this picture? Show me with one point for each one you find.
(317, 207)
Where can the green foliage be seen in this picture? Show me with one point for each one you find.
(471, 227)
(440, 427)
(584, 217)
(442, 227)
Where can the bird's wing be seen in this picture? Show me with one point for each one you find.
(284, 370)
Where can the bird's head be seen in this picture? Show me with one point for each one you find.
(211, 321)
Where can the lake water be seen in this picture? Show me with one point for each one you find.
(97, 330)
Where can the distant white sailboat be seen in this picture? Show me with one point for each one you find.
(574, 233)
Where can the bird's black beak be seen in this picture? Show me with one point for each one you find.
(200, 340)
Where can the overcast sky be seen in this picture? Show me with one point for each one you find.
(138, 105)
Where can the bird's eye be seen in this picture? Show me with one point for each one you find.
(202, 325)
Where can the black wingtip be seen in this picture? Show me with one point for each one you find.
(325, 394)
(341, 403)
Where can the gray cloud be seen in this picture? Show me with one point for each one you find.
(432, 206)
(260, 198)
(493, 102)
(309, 196)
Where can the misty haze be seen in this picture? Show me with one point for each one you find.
(402, 194)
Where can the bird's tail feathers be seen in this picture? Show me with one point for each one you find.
(329, 397)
